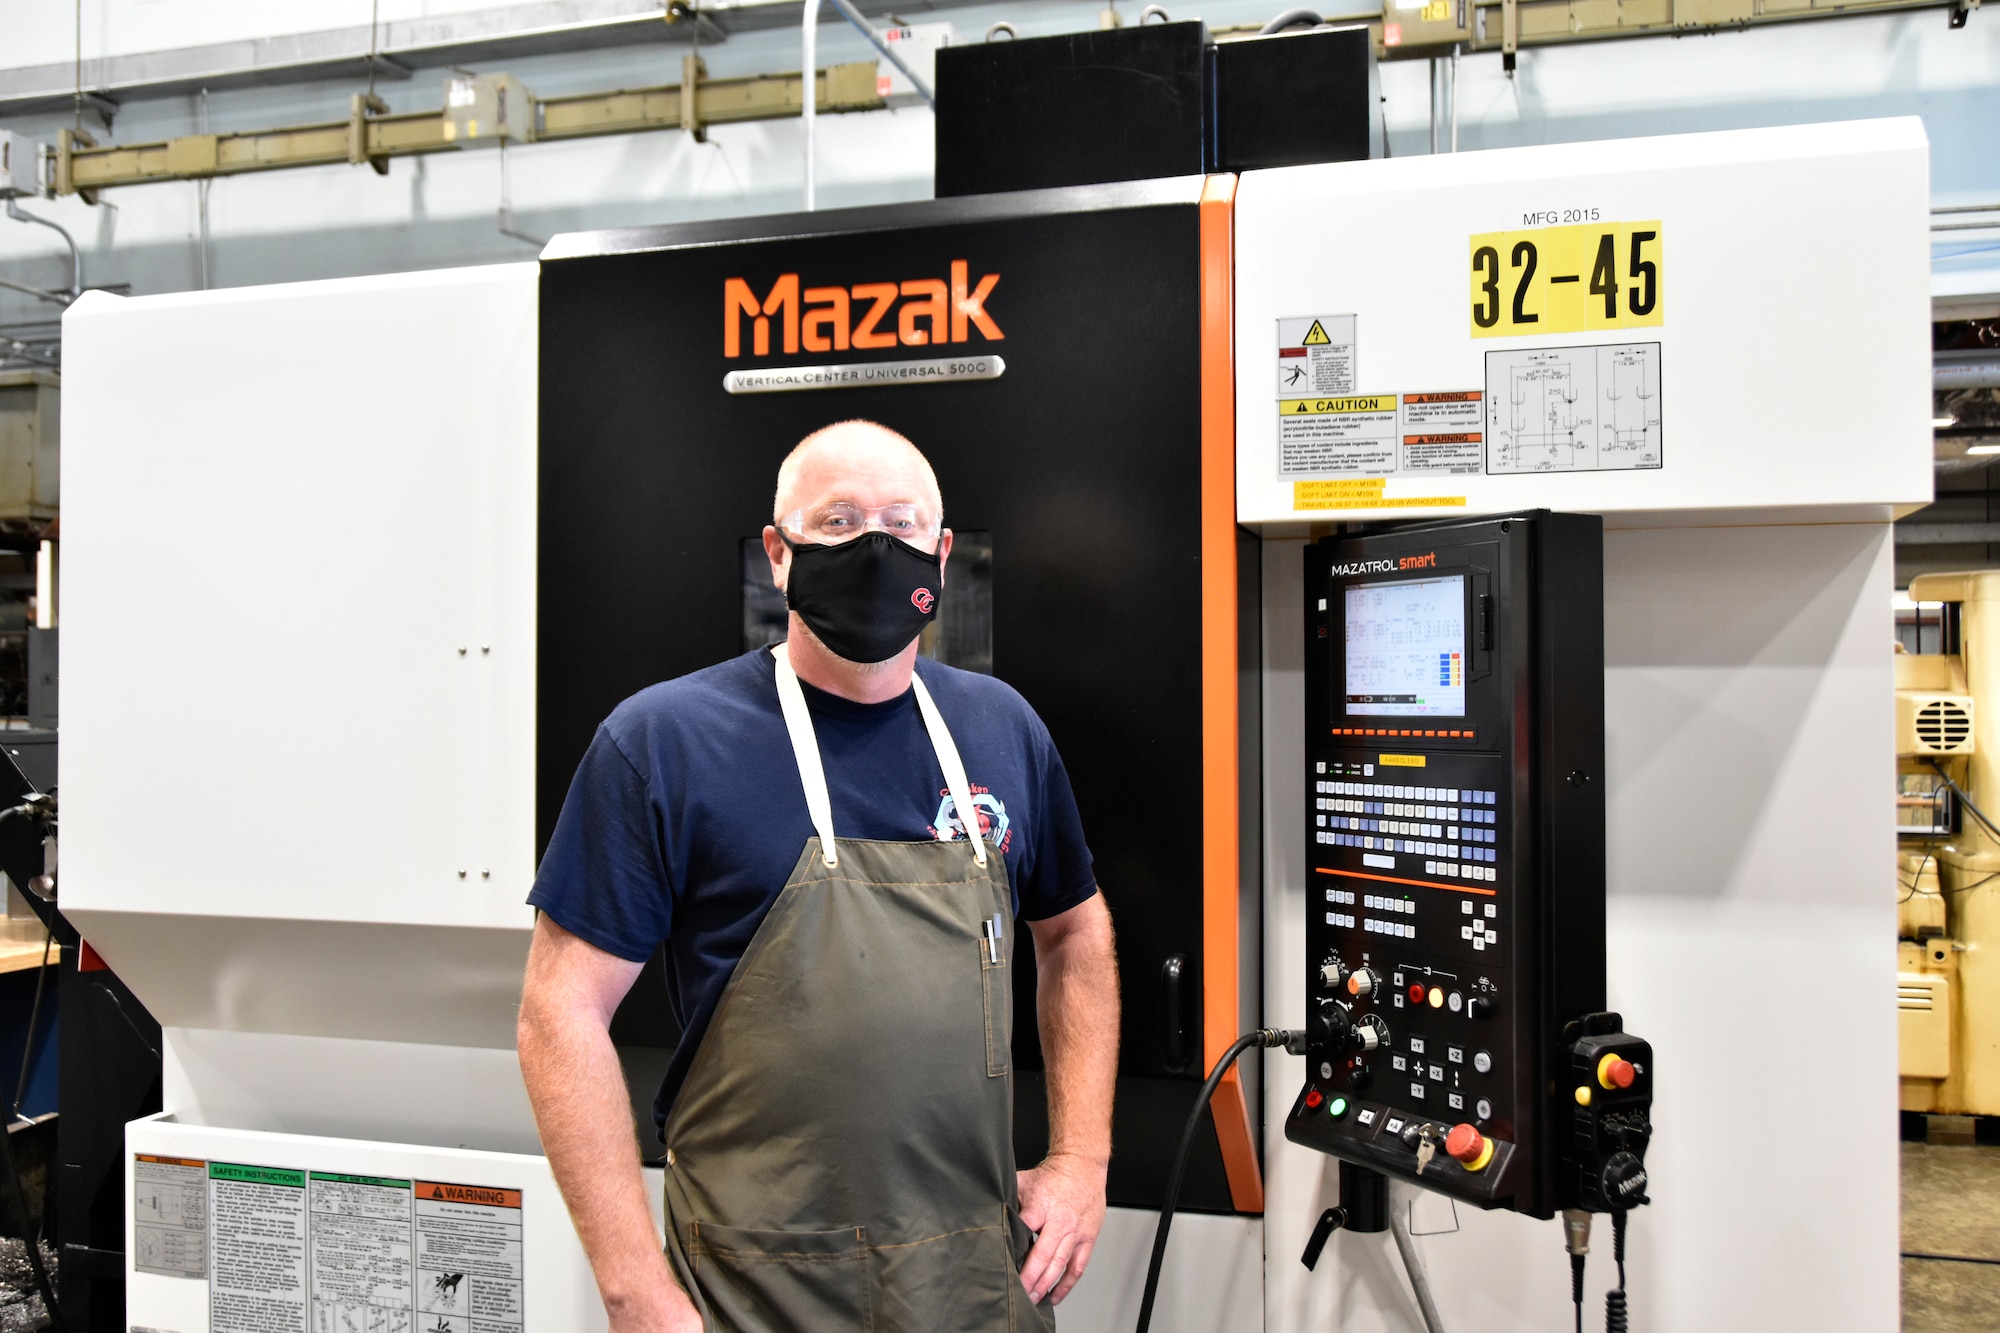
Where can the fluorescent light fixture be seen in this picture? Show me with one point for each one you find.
(1943, 422)
(1984, 449)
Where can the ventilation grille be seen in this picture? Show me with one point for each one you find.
(1944, 727)
(1915, 997)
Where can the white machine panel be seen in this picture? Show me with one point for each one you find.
(299, 603)
(237, 1229)
(1712, 322)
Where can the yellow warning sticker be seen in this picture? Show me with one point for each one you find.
(1438, 11)
(1334, 495)
(1315, 336)
(1573, 279)
(1400, 760)
(1372, 404)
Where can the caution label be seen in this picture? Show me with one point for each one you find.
(1568, 279)
(1332, 436)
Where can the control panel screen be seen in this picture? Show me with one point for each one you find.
(1406, 648)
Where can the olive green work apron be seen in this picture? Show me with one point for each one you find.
(841, 1155)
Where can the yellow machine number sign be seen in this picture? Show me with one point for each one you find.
(1576, 279)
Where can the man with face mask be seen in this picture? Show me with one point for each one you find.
(834, 842)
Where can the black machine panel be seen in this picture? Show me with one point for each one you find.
(1454, 789)
(1079, 466)
(1079, 108)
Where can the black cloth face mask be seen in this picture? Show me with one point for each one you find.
(865, 599)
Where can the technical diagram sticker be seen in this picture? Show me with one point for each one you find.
(363, 1260)
(1574, 409)
(170, 1216)
(1315, 356)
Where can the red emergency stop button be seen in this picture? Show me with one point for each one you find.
(1615, 1073)
(1416, 995)
(1468, 1147)
(1313, 1099)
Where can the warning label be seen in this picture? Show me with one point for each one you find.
(1315, 355)
(362, 1260)
(1442, 432)
(1350, 436)
(469, 1265)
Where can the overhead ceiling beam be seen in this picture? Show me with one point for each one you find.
(480, 37)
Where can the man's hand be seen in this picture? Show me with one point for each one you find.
(1076, 999)
(1062, 1200)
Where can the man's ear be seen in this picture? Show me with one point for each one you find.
(778, 554)
(944, 553)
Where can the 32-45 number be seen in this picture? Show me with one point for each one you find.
(1520, 279)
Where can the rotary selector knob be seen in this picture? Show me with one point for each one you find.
(1479, 1007)
(1371, 1033)
(1332, 973)
(1335, 1024)
(1363, 983)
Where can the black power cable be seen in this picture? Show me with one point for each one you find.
(1294, 1042)
(1615, 1316)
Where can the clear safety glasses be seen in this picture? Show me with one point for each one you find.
(831, 524)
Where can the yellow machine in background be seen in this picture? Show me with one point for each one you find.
(1948, 856)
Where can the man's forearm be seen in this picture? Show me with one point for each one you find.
(1077, 1005)
(581, 1108)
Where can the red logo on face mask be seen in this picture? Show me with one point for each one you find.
(922, 600)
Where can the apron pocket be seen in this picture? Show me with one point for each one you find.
(755, 1281)
(995, 994)
(961, 1282)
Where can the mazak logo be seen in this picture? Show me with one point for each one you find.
(932, 313)
(923, 600)
(1426, 561)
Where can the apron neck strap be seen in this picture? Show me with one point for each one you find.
(954, 768)
(812, 773)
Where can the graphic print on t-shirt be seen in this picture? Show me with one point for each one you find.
(992, 818)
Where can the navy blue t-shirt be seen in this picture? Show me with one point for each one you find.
(686, 816)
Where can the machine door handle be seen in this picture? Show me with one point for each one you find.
(1178, 1052)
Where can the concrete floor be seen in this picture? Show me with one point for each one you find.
(1951, 1206)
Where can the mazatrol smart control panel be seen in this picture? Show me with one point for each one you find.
(1454, 797)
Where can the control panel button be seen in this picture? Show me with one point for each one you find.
(1483, 1109)
(1416, 994)
(1336, 1106)
(1583, 1094)
(1437, 997)
(1614, 1073)
(1482, 1061)
(1468, 1147)
(1313, 1099)
(1454, 1002)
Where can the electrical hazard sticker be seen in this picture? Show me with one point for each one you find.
(1315, 355)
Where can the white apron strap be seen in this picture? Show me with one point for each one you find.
(954, 769)
(805, 749)
(812, 774)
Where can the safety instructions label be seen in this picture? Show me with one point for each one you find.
(469, 1258)
(1574, 409)
(257, 1235)
(296, 1251)
(170, 1216)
